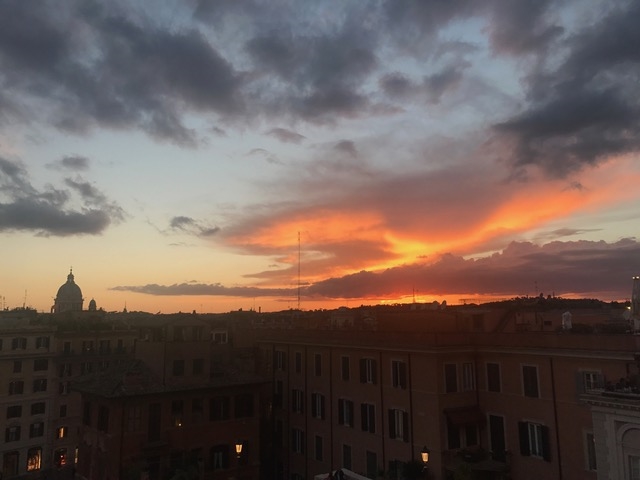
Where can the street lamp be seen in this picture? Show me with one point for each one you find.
(424, 454)
(239, 448)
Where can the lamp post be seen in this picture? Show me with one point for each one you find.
(424, 455)
(239, 445)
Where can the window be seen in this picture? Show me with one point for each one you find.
(468, 377)
(345, 368)
(17, 366)
(62, 432)
(198, 366)
(19, 343)
(86, 413)
(278, 390)
(317, 364)
(634, 467)
(87, 346)
(120, 345)
(60, 457)
(14, 411)
(399, 374)
(591, 381)
(318, 448)
(219, 338)
(346, 456)
(197, 410)
(10, 463)
(85, 368)
(345, 412)
(12, 434)
(297, 401)
(134, 419)
(398, 425)
(317, 406)
(243, 405)
(372, 465)
(103, 419)
(368, 417)
(281, 360)
(497, 439)
(219, 408)
(105, 346)
(590, 447)
(197, 332)
(297, 440)
(179, 334)
(368, 370)
(178, 368)
(298, 362)
(220, 457)
(450, 378)
(177, 413)
(453, 436)
(534, 440)
(63, 411)
(16, 387)
(470, 435)
(40, 385)
(530, 381)
(38, 408)
(34, 459)
(64, 388)
(42, 342)
(40, 364)
(65, 370)
(493, 377)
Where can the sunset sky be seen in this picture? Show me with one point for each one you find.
(184, 155)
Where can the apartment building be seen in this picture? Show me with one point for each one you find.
(27, 395)
(190, 404)
(484, 395)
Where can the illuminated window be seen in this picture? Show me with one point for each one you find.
(61, 432)
(34, 459)
(60, 457)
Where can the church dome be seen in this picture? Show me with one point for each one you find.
(69, 297)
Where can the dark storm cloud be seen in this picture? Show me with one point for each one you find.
(112, 71)
(47, 212)
(286, 136)
(587, 108)
(523, 27)
(432, 87)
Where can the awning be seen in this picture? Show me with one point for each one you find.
(462, 416)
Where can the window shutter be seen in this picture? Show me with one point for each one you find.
(392, 424)
(523, 434)
(363, 370)
(363, 416)
(322, 407)
(403, 375)
(580, 382)
(405, 426)
(374, 371)
(341, 411)
(546, 446)
(372, 418)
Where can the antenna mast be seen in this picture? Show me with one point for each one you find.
(298, 271)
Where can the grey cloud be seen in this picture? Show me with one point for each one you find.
(587, 108)
(191, 226)
(75, 162)
(46, 212)
(557, 267)
(287, 136)
(432, 88)
(347, 146)
(215, 289)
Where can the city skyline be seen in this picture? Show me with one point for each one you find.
(212, 156)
